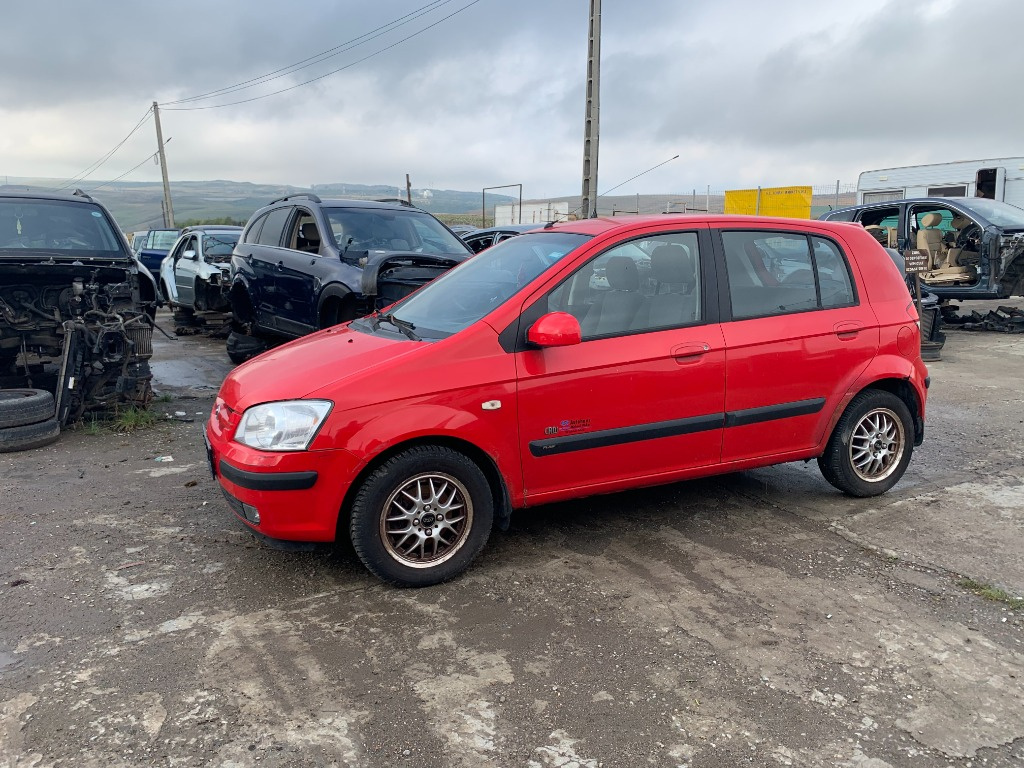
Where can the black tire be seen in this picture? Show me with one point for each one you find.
(241, 347)
(25, 406)
(29, 436)
(871, 446)
(423, 477)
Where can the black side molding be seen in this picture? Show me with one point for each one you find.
(772, 412)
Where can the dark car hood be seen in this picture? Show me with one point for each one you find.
(378, 261)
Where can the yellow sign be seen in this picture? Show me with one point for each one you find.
(790, 202)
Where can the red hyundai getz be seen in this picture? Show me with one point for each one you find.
(582, 358)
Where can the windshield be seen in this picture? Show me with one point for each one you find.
(56, 225)
(1000, 214)
(463, 295)
(217, 247)
(385, 229)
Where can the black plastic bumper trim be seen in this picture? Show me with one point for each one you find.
(267, 481)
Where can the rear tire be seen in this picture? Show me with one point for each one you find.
(422, 516)
(871, 445)
(29, 436)
(19, 407)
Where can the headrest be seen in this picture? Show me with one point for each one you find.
(931, 219)
(672, 263)
(622, 274)
(308, 231)
(960, 221)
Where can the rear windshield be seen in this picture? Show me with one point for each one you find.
(56, 225)
(218, 246)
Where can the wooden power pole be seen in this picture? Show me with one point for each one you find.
(591, 125)
(168, 208)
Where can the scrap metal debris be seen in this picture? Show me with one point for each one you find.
(1000, 319)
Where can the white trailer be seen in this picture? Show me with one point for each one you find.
(1000, 178)
(531, 213)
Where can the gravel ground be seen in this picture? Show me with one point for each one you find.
(752, 619)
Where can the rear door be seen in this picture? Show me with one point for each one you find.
(642, 396)
(797, 334)
(263, 257)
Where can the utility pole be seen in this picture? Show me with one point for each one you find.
(408, 189)
(591, 124)
(168, 208)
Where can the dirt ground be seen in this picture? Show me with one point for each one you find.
(755, 619)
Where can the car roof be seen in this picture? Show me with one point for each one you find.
(78, 196)
(605, 224)
(507, 228)
(343, 202)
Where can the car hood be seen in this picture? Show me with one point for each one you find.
(311, 363)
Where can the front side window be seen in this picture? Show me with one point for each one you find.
(463, 295)
(637, 286)
(777, 273)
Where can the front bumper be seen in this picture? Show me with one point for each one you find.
(290, 496)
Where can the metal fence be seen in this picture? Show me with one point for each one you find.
(825, 197)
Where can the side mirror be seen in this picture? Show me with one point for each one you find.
(555, 329)
(191, 255)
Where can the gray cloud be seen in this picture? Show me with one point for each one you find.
(796, 91)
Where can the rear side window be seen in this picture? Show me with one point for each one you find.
(273, 227)
(778, 273)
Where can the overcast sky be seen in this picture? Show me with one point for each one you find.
(746, 92)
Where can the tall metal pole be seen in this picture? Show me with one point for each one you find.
(168, 208)
(592, 121)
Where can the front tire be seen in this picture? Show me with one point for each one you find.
(871, 446)
(422, 516)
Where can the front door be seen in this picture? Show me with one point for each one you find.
(185, 261)
(642, 396)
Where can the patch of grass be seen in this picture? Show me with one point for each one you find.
(132, 420)
(93, 427)
(164, 398)
(993, 593)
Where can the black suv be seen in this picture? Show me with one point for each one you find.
(973, 247)
(303, 264)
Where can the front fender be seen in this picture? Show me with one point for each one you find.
(491, 432)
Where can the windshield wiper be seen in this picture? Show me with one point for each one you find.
(403, 325)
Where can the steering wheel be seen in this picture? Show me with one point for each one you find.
(969, 237)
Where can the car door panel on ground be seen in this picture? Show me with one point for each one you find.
(798, 334)
(642, 395)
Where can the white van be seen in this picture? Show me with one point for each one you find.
(993, 178)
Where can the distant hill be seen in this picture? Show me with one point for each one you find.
(139, 205)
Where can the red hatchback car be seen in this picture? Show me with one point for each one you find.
(582, 358)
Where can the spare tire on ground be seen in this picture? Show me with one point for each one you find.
(19, 407)
(29, 436)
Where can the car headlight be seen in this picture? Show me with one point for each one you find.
(289, 425)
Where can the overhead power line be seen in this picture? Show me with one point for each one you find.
(316, 58)
(96, 166)
(133, 168)
(332, 72)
